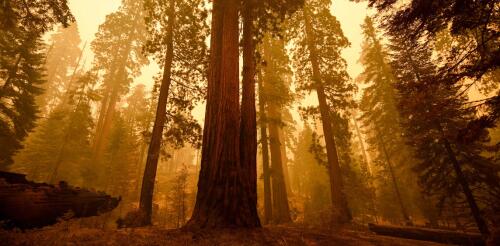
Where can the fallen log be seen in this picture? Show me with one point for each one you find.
(426, 234)
(25, 204)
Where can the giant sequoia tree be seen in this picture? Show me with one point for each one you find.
(224, 195)
(21, 66)
(227, 186)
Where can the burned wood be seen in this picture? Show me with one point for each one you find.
(25, 204)
(425, 234)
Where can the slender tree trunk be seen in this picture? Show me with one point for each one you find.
(60, 153)
(248, 125)
(107, 124)
(268, 209)
(363, 149)
(281, 210)
(100, 120)
(476, 212)
(148, 180)
(367, 167)
(105, 121)
(77, 65)
(404, 212)
(223, 198)
(284, 161)
(339, 203)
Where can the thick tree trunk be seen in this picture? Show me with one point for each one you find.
(148, 180)
(476, 212)
(281, 210)
(404, 212)
(339, 203)
(248, 125)
(223, 198)
(268, 209)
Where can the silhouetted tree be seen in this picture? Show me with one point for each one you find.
(21, 66)
(434, 113)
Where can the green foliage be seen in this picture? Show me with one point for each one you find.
(60, 145)
(21, 66)
(118, 47)
(38, 16)
(434, 111)
(275, 74)
(311, 179)
(22, 77)
(472, 40)
(189, 63)
(381, 121)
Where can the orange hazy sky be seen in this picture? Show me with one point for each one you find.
(90, 14)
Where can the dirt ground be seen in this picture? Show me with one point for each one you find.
(275, 235)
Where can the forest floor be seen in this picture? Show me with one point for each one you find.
(273, 235)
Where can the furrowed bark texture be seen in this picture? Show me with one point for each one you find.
(248, 126)
(148, 180)
(223, 199)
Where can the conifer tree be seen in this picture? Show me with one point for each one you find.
(21, 66)
(180, 46)
(277, 95)
(318, 41)
(226, 195)
(60, 147)
(63, 55)
(380, 116)
(435, 113)
(118, 59)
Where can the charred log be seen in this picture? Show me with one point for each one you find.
(425, 234)
(25, 204)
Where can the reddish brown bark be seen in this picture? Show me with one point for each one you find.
(148, 180)
(223, 199)
(248, 126)
(339, 203)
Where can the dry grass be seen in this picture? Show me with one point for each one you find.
(68, 234)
